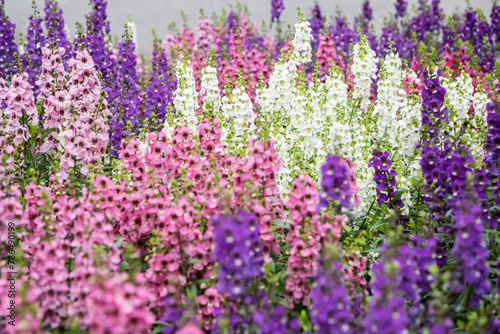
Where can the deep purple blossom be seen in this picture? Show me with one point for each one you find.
(32, 58)
(124, 107)
(237, 251)
(8, 45)
(160, 92)
(54, 23)
(97, 29)
(492, 158)
(401, 6)
(343, 36)
(386, 311)
(495, 21)
(277, 8)
(335, 183)
(316, 25)
(331, 310)
(470, 251)
(385, 177)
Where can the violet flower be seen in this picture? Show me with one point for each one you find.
(277, 8)
(54, 23)
(237, 250)
(7, 45)
(160, 92)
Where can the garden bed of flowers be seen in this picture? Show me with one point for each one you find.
(326, 179)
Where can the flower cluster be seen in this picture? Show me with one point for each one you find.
(237, 249)
(7, 44)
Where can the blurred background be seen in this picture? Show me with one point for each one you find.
(158, 14)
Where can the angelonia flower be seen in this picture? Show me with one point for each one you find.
(385, 177)
(409, 122)
(401, 6)
(52, 83)
(433, 112)
(7, 45)
(331, 308)
(82, 139)
(124, 108)
(386, 310)
(32, 58)
(304, 249)
(335, 183)
(241, 118)
(316, 24)
(186, 97)
(364, 69)
(389, 96)
(342, 36)
(97, 29)
(20, 115)
(495, 21)
(237, 250)
(469, 250)
(302, 41)
(54, 23)
(160, 93)
(210, 92)
(277, 8)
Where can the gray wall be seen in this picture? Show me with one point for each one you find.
(157, 14)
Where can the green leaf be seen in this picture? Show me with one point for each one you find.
(380, 223)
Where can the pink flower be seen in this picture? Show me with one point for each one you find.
(190, 328)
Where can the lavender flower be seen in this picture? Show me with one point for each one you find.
(237, 250)
(277, 8)
(335, 183)
(7, 45)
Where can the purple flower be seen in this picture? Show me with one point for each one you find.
(492, 156)
(97, 28)
(54, 23)
(277, 8)
(7, 45)
(331, 310)
(386, 311)
(32, 58)
(124, 107)
(401, 6)
(342, 37)
(237, 250)
(160, 92)
(469, 250)
(271, 319)
(335, 183)
(495, 21)
(385, 177)
(316, 25)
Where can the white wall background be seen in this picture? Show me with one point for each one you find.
(157, 14)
